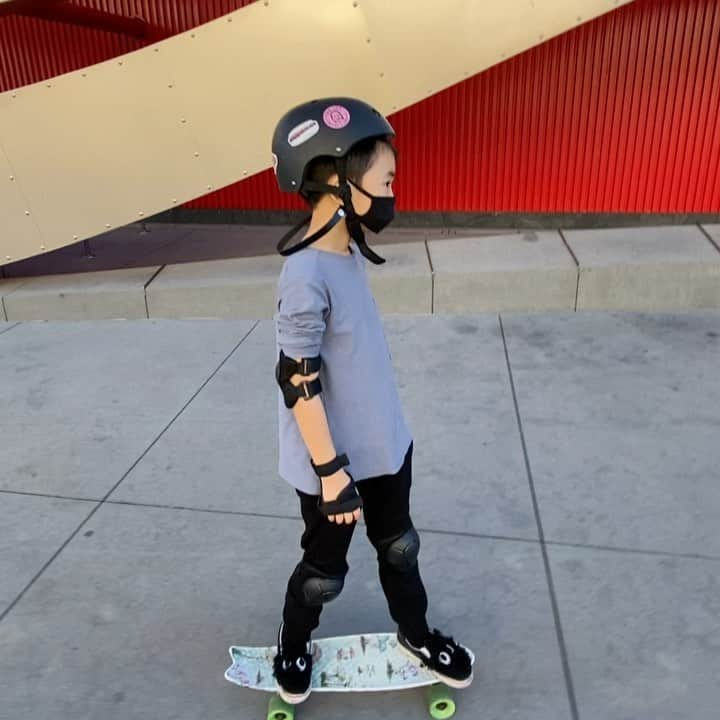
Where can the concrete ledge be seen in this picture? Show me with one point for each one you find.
(661, 268)
(100, 295)
(713, 231)
(404, 283)
(239, 288)
(6, 287)
(520, 272)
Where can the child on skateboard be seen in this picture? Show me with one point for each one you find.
(336, 376)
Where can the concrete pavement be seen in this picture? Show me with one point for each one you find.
(565, 490)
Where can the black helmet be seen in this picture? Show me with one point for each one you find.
(324, 127)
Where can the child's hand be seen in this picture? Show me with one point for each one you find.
(331, 487)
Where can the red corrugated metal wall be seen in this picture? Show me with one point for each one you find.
(621, 114)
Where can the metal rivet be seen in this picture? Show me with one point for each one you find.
(42, 247)
(183, 120)
(293, 182)
(141, 213)
(382, 74)
(12, 177)
(120, 62)
(170, 85)
(209, 187)
(338, 149)
(107, 225)
(368, 39)
(579, 18)
(27, 212)
(192, 35)
(14, 95)
(245, 172)
(229, 19)
(267, 3)
(7, 257)
(48, 85)
(197, 154)
(355, 4)
(174, 200)
(157, 49)
(75, 237)
(541, 36)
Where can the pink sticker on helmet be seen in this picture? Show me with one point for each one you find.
(336, 117)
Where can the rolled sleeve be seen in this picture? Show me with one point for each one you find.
(300, 318)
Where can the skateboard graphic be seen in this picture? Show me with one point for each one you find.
(350, 663)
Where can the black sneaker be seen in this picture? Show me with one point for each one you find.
(292, 668)
(452, 663)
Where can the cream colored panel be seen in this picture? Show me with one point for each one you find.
(255, 64)
(426, 46)
(119, 141)
(17, 224)
(98, 148)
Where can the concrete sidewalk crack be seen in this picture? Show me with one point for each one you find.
(541, 535)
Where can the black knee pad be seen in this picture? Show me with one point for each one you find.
(315, 587)
(400, 551)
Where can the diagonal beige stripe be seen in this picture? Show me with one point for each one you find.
(124, 139)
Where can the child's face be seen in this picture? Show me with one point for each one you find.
(377, 180)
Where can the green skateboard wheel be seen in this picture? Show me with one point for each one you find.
(440, 702)
(278, 709)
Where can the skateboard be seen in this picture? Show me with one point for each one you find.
(350, 663)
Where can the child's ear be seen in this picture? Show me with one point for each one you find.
(333, 180)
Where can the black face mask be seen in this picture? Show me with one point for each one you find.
(381, 212)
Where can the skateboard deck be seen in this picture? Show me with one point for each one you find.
(350, 663)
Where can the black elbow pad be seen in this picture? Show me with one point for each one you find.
(287, 367)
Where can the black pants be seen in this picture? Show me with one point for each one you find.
(325, 545)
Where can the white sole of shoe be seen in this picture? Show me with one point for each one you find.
(291, 699)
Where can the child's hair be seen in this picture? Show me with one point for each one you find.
(359, 159)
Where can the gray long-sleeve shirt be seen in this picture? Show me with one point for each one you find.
(325, 307)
